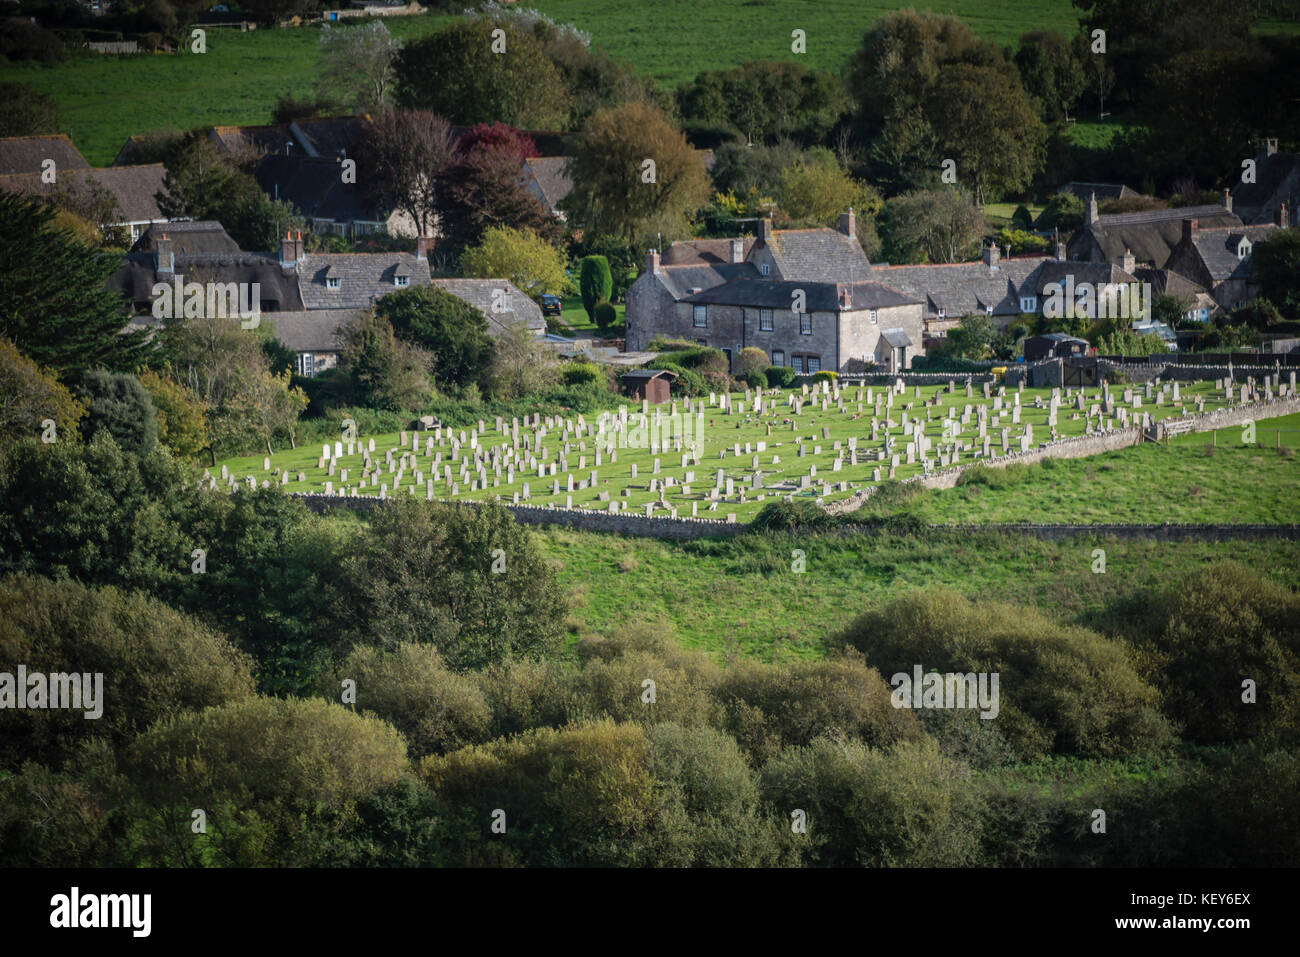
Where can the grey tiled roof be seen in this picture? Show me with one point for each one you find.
(818, 255)
(704, 252)
(25, 154)
(1053, 272)
(315, 187)
(963, 289)
(548, 172)
(365, 278)
(680, 280)
(478, 293)
(1217, 249)
(896, 337)
(818, 296)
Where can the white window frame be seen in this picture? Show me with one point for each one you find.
(805, 324)
(401, 281)
(874, 316)
(1028, 303)
(700, 317)
(778, 357)
(765, 320)
(810, 362)
(333, 282)
(765, 269)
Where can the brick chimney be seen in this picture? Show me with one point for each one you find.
(737, 251)
(1283, 219)
(164, 260)
(991, 254)
(765, 230)
(289, 252)
(1093, 215)
(1227, 200)
(421, 247)
(1129, 262)
(1188, 226)
(652, 261)
(848, 223)
(846, 297)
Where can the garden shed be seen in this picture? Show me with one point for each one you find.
(650, 384)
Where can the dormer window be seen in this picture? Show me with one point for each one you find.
(1028, 303)
(1243, 248)
(333, 282)
(988, 310)
(765, 269)
(943, 313)
(400, 281)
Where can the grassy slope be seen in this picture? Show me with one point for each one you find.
(742, 597)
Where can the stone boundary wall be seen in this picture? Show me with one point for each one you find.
(916, 378)
(686, 529)
(1184, 372)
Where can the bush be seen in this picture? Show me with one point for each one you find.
(119, 404)
(605, 315)
(780, 516)
(825, 375)
(756, 380)
(582, 373)
(780, 377)
(595, 283)
(1063, 689)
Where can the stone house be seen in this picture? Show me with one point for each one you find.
(1276, 188)
(1149, 236)
(1219, 260)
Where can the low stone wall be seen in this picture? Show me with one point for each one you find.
(917, 378)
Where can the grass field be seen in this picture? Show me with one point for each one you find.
(575, 317)
(1191, 481)
(740, 596)
(781, 432)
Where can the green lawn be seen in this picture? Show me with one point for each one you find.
(780, 431)
(741, 596)
(575, 317)
(1191, 481)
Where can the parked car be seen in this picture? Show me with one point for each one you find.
(551, 305)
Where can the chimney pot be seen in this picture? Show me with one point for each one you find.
(1227, 200)
(848, 224)
(991, 255)
(652, 261)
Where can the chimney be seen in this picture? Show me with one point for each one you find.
(1227, 200)
(1282, 220)
(1188, 226)
(990, 254)
(848, 223)
(1058, 246)
(765, 230)
(1093, 215)
(421, 247)
(846, 295)
(299, 248)
(737, 251)
(164, 260)
(652, 261)
(1129, 262)
(288, 253)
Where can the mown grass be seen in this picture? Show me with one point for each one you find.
(575, 317)
(741, 596)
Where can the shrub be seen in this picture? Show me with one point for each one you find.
(119, 404)
(605, 315)
(1062, 688)
(780, 377)
(752, 361)
(825, 375)
(595, 283)
(582, 373)
(781, 516)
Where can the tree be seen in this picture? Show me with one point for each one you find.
(53, 302)
(521, 364)
(1276, 263)
(483, 187)
(595, 283)
(765, 100)
(1051, 71)
(972, 337)
(359, 61)
(122, 406)
(425, 573)
(1064, 212)
(634, 175)
(29, 396)
(469, 76)
(449, 328)
(983, 120)
(523, 257)
(28, 112)
(753, 361)
(401, 154)
(814, 192)
(387, 372)
(182, 425)
(941, 223)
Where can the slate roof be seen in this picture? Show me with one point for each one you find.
(478, 293)
(1166, 282)
(314, 186)
(897, 338)
(24, 154)
(134, 188)
(702, 252)
(818, 255)
(1217, 249)
(549, 176)
(188, 238)
(1254, 200)
(680, 280)
(647, 374)
(963, 289)
(1053, 272)
(1152, 234)
(365, 278)
(330, 137)
(819, 296)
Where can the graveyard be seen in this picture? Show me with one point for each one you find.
(723, 456)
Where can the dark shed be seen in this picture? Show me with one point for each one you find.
(1054, 345)
(650, 384)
